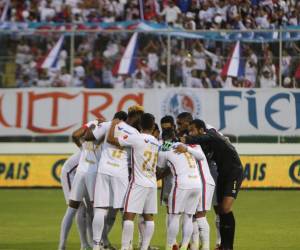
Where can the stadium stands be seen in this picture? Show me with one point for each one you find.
(91, 60)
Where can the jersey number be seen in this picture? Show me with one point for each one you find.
(190, 159)
(117, 153)
(150, 156)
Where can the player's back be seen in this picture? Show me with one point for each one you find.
(90, 153)
(184, 168)
(114, 160)
(144, 160)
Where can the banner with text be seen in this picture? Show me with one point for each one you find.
(38, 170)
(236, 111)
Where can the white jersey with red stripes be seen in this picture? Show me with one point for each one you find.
(199, 155)
(184, 168)
(114, 160)
(144, 157)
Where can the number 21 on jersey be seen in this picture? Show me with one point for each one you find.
(150, 160)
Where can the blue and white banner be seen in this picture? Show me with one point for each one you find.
(289, 33)
(232, 111)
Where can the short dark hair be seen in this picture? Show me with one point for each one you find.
(147, 121)
(185, 116)
(121, 115)
(199, 124)
(167, 119)
(135, 113)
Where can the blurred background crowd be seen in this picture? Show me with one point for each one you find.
(92, 59)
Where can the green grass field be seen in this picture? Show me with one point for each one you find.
(30, 219)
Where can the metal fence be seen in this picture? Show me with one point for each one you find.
(200, 59)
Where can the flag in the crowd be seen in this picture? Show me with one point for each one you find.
(53, 55)
(128, 62)
(5, 10)
(235, 65)
(297, 73)
(141, 5)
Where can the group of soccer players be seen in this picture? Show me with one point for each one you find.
(117, 168)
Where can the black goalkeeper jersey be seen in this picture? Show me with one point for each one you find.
(223, 153)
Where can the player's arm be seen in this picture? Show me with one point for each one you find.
(111, 133)
(96, 133)
(199, 140)
(195, 150)
(162, 169)
(77, 135)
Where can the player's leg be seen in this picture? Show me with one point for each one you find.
(141, 228)
(175, 206)
(127, 233)
(81, 221)
(203, 207)
(217, 224)
(109, 222)
(76, 196)
(227, 193)
(134, 204)
(195, 236)
(150, 208)
(190, 202)
(102, 201)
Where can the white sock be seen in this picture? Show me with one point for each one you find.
(81, 225)
(218, 238)
(187, 229)
(66, 226)
(148, 233)
(127, 234)
(195, 236)
(141, 227)
(89, 226)
(204, 232)
(98, 224)
(173, 229)
(109, 222)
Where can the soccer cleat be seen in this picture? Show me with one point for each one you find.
(97, 247)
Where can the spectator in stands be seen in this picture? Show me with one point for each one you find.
(250, 66)
(25, 82)
(159, 80)
(171, 13)
(268, 76)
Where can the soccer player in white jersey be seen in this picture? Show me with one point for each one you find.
(84, 180)
(113, 174)
(141, 196)
(186, 189)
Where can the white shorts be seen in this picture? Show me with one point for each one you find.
(206, 198)
(141, 200)
(183, 200)
(110, 191)
(66, 180)
(83, 186)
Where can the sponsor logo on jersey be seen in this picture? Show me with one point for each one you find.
(180, 101)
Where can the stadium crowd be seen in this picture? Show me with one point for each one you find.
(193, 63)
(191, 14)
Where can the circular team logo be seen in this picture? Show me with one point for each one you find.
(294, 172)
(181, 101)
(56, 169)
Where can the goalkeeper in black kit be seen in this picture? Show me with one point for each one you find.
(230, 177)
